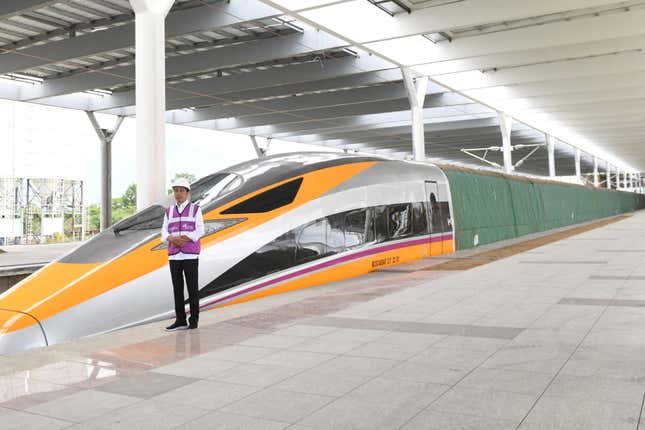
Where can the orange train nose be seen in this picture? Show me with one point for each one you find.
(21, 302)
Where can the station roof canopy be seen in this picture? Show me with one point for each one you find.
(328, 72)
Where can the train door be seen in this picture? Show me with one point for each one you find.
(434, 217)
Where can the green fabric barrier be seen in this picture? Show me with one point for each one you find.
(494, 207)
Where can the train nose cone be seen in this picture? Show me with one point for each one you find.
(19, 332)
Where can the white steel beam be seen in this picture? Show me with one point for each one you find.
(151, 99)
(322, 116)
(577, 161)
(375, 94)
(416, 87)
(187, 21)
(105, 137)
(596, 181)
(534, 37)
(256, 147)
(334, 73)
(505, 59)
(341, 18)
(257, 51)
(506, 126)
(13, 7)
(550, 142)
(587, 67)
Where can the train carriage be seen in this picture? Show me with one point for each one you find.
(272, 225)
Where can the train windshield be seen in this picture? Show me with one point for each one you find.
(213, 186)
(203, 191)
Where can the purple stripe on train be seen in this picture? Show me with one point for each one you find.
(330, 263)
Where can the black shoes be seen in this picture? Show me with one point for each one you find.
(177, 326)
(192, 326)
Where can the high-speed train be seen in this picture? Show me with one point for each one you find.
(272, 225)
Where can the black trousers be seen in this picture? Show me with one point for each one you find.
(179, 269)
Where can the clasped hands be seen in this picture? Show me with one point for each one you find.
(179, 240)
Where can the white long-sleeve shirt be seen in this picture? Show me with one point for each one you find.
(193, 235)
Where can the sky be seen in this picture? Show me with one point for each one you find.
(44, 141)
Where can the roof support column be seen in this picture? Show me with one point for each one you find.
(416, 87)
(596, 180)
(506, 125)
(150, 64)
(577, 161)
(105, 136)
(608, 176)
(550, 146)
(258, 150)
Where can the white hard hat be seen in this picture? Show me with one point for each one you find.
(181, 182)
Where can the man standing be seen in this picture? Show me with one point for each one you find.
(183, 225)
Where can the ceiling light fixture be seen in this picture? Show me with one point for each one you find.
(391, 7)
(22, 78)
(98, 92)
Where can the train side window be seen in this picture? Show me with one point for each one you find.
(280, 254)
(419, 219)
(277, 255)
(446, 222)
(336, 233)
(435, 214)
(380, 223)
(269, 200)
(311, 241)
(399, 220)
(358, 228)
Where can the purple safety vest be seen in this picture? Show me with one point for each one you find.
(183, 222)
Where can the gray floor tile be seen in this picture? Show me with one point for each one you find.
(296, 359)
(507, 380)
(357, 365)
(423, 372)
(378, 349)
(328, 346)
(346, 414)
(331, 384)
(145, 385)
(272, 341)
(492, 404)
(563, 413)
(18, 420)
(259, 375)
(239, 353)
(450, 357)
(621, 369)
(304, 330)
(471, 343)
(567, 317)
(397, 392)
(529, 358)
(149, 414)
(83, 405)
(353, 335)
(434, 420)
(416, 339)
(207, 394)
(596, 388)
(225, 421)
(278, 405)
(197, 367)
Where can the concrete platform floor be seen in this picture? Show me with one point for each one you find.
(553, 338)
